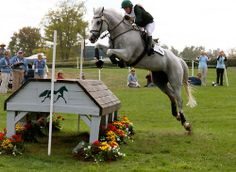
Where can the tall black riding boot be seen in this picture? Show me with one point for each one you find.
(149, 46)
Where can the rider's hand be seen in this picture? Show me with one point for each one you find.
(134, 25)
(126, 17)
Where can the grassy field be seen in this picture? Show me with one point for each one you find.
(160, 142)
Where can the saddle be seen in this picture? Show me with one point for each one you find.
(156, 48)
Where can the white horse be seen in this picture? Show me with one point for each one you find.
(169, 72)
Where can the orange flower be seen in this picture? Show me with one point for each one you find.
(113, 144)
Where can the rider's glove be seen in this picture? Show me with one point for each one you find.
(134, 25)
(126, 17)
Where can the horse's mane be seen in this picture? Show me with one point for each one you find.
(98, 12)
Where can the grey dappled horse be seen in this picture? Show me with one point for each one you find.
(169, 72)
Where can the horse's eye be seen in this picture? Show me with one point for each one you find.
(98, 22)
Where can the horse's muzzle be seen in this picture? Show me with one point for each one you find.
(92, 38)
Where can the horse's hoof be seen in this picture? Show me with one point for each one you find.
(187, 126)
(99, 64)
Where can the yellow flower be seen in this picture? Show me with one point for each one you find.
(19, 128)
(111, 136)
(104, 146)
(6, 144)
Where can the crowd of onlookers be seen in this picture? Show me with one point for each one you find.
(16, 69)
(199, 79)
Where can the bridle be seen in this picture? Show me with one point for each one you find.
(110, 30)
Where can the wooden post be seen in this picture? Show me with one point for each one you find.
(10, 123)
(94, 128)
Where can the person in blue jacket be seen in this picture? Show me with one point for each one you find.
(220, 67)
(195, 80)
(6, 70)
(39, 67)
(202, 66)
(19, 69)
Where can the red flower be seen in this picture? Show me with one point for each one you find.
(27, 126)
(2, 135)
(96, 143)
(16, 138)
(111, 127)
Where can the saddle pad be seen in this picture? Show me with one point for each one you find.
(159, 49)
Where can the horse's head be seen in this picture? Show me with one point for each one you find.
(98, 25)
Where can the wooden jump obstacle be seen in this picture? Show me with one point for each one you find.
(91, 100)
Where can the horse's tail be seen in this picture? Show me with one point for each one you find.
(188, 88)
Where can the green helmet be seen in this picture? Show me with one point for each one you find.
(126, 3)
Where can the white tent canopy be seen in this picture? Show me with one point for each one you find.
(35, 56)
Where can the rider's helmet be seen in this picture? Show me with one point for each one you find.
(126, 3)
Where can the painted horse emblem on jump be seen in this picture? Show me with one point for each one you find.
(60, 94)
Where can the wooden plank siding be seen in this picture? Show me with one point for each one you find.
(84, 96)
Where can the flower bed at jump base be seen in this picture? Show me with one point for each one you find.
(107, 148)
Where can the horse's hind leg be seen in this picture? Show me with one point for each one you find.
(160, 79)
(174, 94)
(177, 92)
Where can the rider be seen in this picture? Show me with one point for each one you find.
(141, 18)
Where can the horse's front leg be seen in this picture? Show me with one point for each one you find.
(104, 48)
(123, 54)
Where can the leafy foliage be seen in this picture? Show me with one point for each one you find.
(27, 39)
(67, 19)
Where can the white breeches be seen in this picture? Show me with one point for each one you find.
(150, 28)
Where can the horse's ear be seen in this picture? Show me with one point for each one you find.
(102, 9)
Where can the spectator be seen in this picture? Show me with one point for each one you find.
(60, 75)
(39, 67)
(220, 67)
(30, 73)
(5, 66)
(132, 79)
(149, 80)
(83, 76)
(20, 68)
(195, 80)
(202, 66)
(2, 50)
(46, 71)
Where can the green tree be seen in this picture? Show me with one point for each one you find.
(67, 19)
(27, 39)
(175, 51)
(190, 53)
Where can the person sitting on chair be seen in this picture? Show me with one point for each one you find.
(195, 80)
(141, 18)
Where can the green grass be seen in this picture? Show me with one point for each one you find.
(160, 142)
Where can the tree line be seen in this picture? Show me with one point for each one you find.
(68, 19)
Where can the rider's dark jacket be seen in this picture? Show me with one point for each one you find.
(142, 17)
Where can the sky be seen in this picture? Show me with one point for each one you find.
(179, 23)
